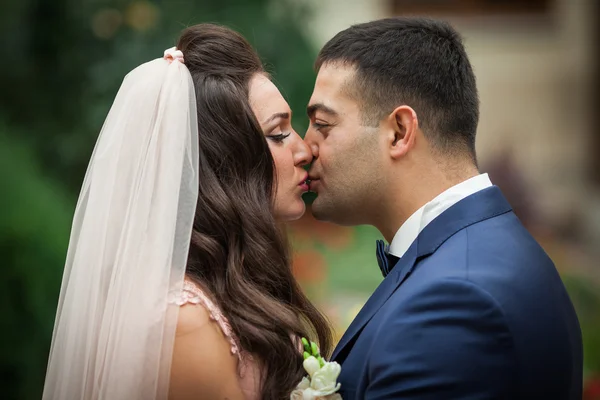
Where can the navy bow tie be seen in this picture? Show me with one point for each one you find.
(385, 260)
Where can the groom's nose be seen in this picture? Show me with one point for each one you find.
(311, 143)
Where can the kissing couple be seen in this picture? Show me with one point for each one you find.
(178, 281)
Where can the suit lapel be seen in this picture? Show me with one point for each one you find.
(379, 297)
(478, 207)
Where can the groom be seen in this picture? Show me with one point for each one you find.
(471, 307)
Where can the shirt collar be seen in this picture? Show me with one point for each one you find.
(409, 231)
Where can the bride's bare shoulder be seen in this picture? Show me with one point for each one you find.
(203, 365)
(193, 317)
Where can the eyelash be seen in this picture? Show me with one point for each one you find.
(279, 138)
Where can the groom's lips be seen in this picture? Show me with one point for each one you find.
(313, 182)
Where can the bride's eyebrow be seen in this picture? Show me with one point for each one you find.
(282, 115)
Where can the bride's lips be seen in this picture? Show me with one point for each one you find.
(304, 184)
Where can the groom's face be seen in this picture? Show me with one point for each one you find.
(346, 152)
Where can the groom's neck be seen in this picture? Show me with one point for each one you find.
(417, 186)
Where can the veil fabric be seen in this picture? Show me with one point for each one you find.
(115, 325)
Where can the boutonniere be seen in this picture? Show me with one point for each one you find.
(321, 381)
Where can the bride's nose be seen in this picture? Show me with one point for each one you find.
(302, 153)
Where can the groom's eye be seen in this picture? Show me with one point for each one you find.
(319, 126)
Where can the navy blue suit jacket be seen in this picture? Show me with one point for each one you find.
(475, 309)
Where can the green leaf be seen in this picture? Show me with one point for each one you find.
(315, 349)
(306, 345)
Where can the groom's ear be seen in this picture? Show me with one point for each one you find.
(403, 125)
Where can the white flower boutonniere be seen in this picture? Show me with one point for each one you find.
(321, 382)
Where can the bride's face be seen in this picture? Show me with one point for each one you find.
(288, 149)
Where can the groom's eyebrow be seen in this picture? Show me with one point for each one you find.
(313, 108)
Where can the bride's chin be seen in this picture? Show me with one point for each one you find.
(292, 212)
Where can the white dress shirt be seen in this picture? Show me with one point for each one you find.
(409, 231)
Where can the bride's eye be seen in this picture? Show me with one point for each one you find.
(279, 138)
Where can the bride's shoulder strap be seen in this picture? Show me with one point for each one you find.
(193, 295)
(202, 363)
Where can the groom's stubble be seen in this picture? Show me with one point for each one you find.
(351, 179)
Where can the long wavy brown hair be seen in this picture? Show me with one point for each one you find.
(238, 252)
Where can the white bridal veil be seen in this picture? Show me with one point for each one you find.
(114, 330)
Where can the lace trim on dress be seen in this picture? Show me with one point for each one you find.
(192, 294)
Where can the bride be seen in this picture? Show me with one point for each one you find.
(178, 282)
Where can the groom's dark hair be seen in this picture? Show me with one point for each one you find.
(411, 61)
